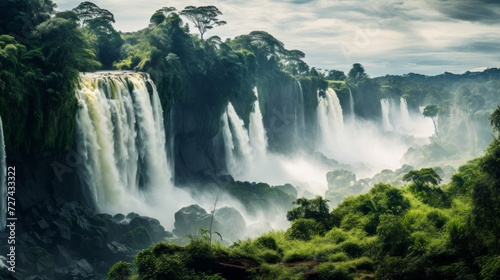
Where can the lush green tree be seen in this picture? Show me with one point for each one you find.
(357, 72)
(88, 11)
(495, 119)
(394, 234)
(203, 17)
(423, 177)
(160, 16)
(63, 44)
(98, 22)
(316, 208)
(336, 75)
(120, 271)
(19, 18)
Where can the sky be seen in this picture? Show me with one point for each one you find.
(385, 36)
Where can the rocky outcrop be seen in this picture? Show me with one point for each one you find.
(70, 241)
(227, 221)
(340, 178)
(59, 235)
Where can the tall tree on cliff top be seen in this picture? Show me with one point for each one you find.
(88, 12)
(99, 22)
(203, 17)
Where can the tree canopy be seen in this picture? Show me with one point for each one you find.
(88, 11)
(430, 111)
(495, 119)
(423, 177)
(357, 72)
(203, 17)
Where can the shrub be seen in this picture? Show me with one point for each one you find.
(329, 271)
(304, 229)
(119, 271)
(437, 218)
(351, 248)
(490, 269)
(363, 263)
(336, 235)
(339, 257)
(267, 242)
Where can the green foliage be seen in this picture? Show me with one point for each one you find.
(119, 271)
(334, 271)
(423, 177)
(267, 241)
(316, 209)
(431, 111)
(38, 78)
(357, 72)
(336, 75)
(203, 17)
(305, 228)
(167, 261)
(495, 119)
(490, 267)
(394, 234)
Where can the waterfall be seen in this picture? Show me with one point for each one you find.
(3, 183)
(231, 164)
(351, 105)
(330, 119)
(385, 114)
(300, 126)
(257, 133)
(120, 135)
(237, 142)
(405, 115)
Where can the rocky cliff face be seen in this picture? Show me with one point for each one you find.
(58, 233)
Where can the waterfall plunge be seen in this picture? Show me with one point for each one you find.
(386, 123)
(405, 115)
(265, 166)
(257, 133)
(399, 119)
(300, 125)
(121, 137)
(330, 119)
(3, 183)
(351, 105)
(237, 142)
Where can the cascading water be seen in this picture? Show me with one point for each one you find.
(351, 105)
(121, 136)
(300, 126)
(231, 164)
(237, 140)
(386, 123)
(405, 115)
(3, 183)
(330, 119)
(257, 133)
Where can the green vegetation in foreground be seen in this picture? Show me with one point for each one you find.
(421, 231)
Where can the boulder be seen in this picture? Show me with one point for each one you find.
(230, 223)
(340, 178)
(227, 221)
(190, 219)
